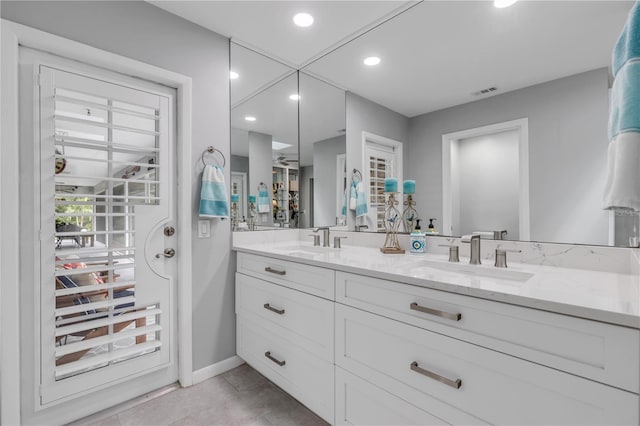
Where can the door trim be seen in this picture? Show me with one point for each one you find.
(522, 126)
(12, 36)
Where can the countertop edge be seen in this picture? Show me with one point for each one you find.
(609, 317)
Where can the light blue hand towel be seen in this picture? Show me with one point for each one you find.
(213, 194)
(628, 44)
(263, 201)
(622, 187)
(343, 211)
(361, 200)
(353, 195)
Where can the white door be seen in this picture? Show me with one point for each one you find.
(107, 288)
(239, 188)
(383, 159)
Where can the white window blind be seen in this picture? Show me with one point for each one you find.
(106, 153)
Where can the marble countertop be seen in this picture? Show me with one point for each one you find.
(602, 296)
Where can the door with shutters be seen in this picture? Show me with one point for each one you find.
(382, 159)
(107, 282)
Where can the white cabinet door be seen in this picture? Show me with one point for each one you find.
(305, 318)
(422, 366)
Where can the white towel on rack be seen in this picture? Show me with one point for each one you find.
(213, 194)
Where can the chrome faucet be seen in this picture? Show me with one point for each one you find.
(325, 235)
(474, 240)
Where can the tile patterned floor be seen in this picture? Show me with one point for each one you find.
(239, 397)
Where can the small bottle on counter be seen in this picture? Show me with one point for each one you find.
(418, 239)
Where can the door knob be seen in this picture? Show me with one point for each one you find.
(168, 253)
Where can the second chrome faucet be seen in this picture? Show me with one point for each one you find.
(474, 240)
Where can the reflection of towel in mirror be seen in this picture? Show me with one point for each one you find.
(361, 200)
(213, 194)
(263, 201)
(343, 210)
(353, 195)
(622, 187)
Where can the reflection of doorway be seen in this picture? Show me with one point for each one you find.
(486, 180)
(239, 187)
(382, 159)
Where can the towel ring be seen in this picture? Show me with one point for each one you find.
(212, 150)
(263, 185)
(356, 173)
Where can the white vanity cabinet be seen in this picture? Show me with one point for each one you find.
(285, 330)
(407, 354)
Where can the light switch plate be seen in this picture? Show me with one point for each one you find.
(204, 229)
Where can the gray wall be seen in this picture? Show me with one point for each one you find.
(143, 32)
(364, 115)
(306, 174)
(488, 184)
(324, 179)
(567, 153)
(261, 168)
(241, 165)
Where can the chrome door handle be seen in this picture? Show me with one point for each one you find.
(454, 317)
(453, 383)
(274, 271)
(272, 309)
(280, 363)
(168, 253)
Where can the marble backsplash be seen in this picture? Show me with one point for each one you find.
(594, 258)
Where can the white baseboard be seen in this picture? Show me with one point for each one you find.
(216, 369)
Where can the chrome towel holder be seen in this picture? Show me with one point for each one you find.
(212, 150)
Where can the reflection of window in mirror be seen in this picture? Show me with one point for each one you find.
(383, 159)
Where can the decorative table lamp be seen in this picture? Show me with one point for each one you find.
(392, 219)
(252, 213)
(234, 211)
(409, 215)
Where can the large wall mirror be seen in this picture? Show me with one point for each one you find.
(322, 153)
(265, 173)
(499, 115)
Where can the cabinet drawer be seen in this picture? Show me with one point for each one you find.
(310, 279)
(309, 319)
(602, 352)
(497, 388)
(359, 402)
(307, 378)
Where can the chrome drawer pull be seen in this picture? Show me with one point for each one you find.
(277, 311)
(453, 383)
(268, 355)
(447, 315)
(274, 271)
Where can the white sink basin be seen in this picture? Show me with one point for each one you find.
(479, 271)
(305, 250)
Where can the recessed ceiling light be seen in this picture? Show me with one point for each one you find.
(277, 146)
(250, 118)
(294, 97)
(303, 20)
(503, 3)
(371, 61)
(233, 75)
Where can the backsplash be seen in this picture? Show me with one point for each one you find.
(594, 258)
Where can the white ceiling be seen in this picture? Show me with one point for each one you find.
(435, 54)
(439, 53)
(267, 26)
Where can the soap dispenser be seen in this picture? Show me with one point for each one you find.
(418, 239)
(431, 229)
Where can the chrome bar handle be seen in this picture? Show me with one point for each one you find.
(274, 271)
(277, 361)
(454, 317)
(272, 309)
(453, 383)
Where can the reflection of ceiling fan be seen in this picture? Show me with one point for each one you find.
(284, 161)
